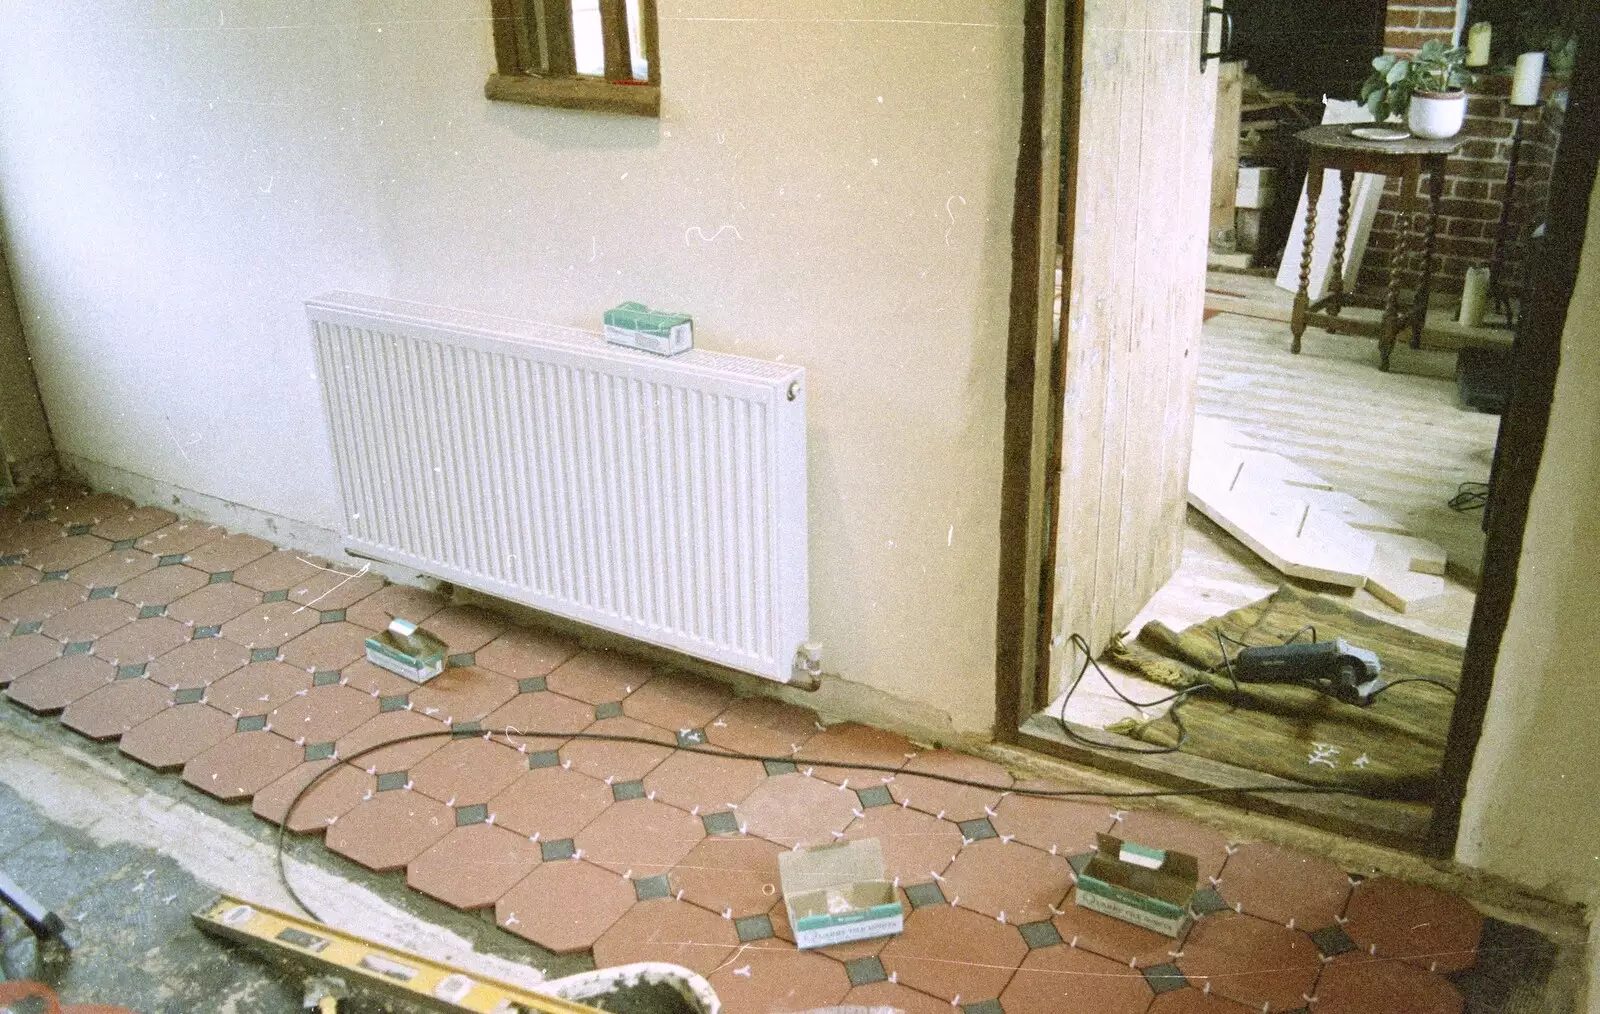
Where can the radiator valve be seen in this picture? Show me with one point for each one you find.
(807, 666)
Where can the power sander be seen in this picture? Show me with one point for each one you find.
(1336, 668)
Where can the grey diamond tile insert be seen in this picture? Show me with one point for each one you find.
(651, 888)
(691, 737)
(275, 596)
(753, 927)
(720, 823)
(477, 813)
(103, 592)
(124, 543)
(390, 780)
(318, 751)
(779, 767)
(461, 660)
(128, 672)
(394, 702)
(325, 678)
(221, 577)
(31, 627)
(1332, 941)
(983, 1007)
(78, 529)
(55, 575)
(532, 685)
(865, 971)
(250, 723)
(610, 709)
(200, 632)
(1202, 903)
(877, 795)
(466, 730)
(561, 848)
(264, 654)
(150, 612)
(623, 791)
(1039, 934)
(977, 830)
(78, 648)
(543, 759)
(923, 895)
(331, 616)
(170, 560)
(189, 695)
(1164, 978)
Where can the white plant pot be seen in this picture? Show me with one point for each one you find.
(1437, 115)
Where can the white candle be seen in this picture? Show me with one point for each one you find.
(1525, 85)
(1474, 297)
(1478, 37)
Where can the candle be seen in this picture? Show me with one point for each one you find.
(1478, 44)
(1525, 85)
(1474, 297)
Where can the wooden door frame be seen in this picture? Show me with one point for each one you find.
(1035, 390)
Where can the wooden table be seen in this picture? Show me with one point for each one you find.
(1332, 146)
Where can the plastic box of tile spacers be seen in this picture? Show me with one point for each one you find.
(839, 893)
(636, 326)
(405, 649)
(1146, 886)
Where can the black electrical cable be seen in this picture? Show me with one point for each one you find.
(1470, 496)
(1079, 643)
(1441, 684)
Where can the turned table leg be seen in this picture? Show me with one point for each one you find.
(1397, 264)
(1336, 282)
(1302, 299)
(1419, 310)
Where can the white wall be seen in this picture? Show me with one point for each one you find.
(830, 183)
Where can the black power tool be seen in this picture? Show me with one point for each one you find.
(1338, 669)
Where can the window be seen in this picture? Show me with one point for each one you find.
(577, 54)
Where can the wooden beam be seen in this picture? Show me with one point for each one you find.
(614, 32)
(590, 93)
(1225, 155)
(507, 57)
(555, 29)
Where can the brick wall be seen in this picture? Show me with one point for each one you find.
(1474, 190)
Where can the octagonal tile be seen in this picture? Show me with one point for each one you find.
(54, 685)
(393, 741)
(1060, 978)
(89, 508)
(619, 761)
(112, 569)
(596, 677)
(327, 646)
(323, 714)
(473, 866)
(1129, 945)
(369, 679)
(688, 780)
(892, 996)
(1066, 825)
(179, 538)
(1251, 960)
(1285, 886)
(119, 526)
(736, 875)
(1416, 924)
(241, 764)
(395, 601)
(281, 570)
(229, 553)
(65, 554)
(1009, 879)
(762, 726)
(21, 653)
(465, 694)
(1192, 1001)
(565, 906)
(24, 537)
(217, 604)
(175, 736)
(954, 802)
(950, 952)
(639, 837)
(269, 625)
(116, 707)
(389, 830)
(333, 795)
(161, 586)
(16, 577)
(552, 802)
(89, 620)
(141, 641)
(541, 711)
(466, 628)
(198, 663)
(677, 702)
(796, 811)
(337, 587)
(467, 771)
(861, 744)
(1358, 984)
(916, 846)
(776, 977)
(257, 688)
(523, 653)
(671, 931)
(42, 601)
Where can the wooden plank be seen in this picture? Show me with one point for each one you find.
(1225, 155)
(1396, 584)
(576, 93)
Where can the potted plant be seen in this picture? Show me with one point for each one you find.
(1429, 89)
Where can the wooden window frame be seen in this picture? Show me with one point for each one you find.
(536, 63)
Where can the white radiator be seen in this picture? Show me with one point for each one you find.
(662, 499)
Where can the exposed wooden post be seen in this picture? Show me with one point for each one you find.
(1225, 155)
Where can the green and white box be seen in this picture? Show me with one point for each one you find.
(639, 327)
(839, 893)
(405, 649)
(1145, 886)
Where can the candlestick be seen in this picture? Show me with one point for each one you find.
(1474, 297)
(1525, 85)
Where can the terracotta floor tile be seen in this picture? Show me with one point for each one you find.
(174, 736)
(552, 802)
(327, 646)
(1067, 825)
(198, 663)
(281, 570)
(473, 866)
(1009, 879)
(257, 688)
(1192, 1001)
(540, 711)
(54, 685)
(915, 845)
(1125, 943)
(116, 707)
(953, 802)
(24, 537)
(597, 677)
(114, 568)
(678, 703)
(1284, 885)
(950, 952)
(89, 620)
(466, 628)
(1417, 924)
(862, 744)
(778, 978)
(67, 553)
(369, 679)
(133, 524)
(1060, 978)
(465, 694)
(142, 641)
(214, 604)
(675, 932)
(338, 587)
(161, 586)
(410, 733)
(389, 830)
(1165, 831)
(21, 653)
(733, 874)
(640, 836)
(180, 537)
(331, 798)
(464, 772)
(323, 714)
(242, 764)
(890, 996)
(1357, 984)
(689, 780)
(565, 906)
(392, 601)
(86, 507)
(42, 601)
(524, 654)
(269, 625)
(228, 553)
(1251, 960)
(762, 726)
(620, 762)
(16, 577)
(794, 810)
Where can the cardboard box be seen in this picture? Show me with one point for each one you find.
(839, 893)
(639, 327)
(1145, 886)
(407, 650)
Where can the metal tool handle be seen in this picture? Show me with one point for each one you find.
(1224, 50)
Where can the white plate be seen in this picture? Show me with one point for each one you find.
(1380, 134)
